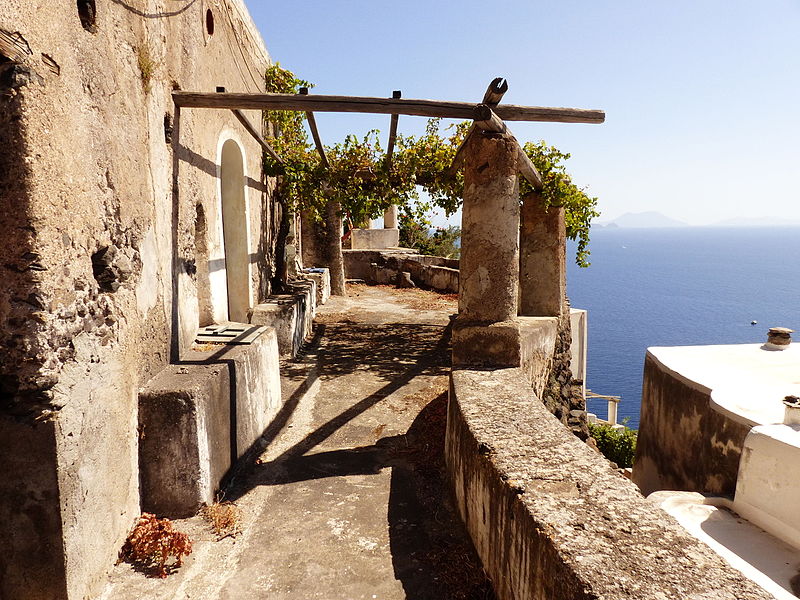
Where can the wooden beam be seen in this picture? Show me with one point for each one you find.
(494, 93)
(258, 137)
(486, 120)
(388, 106)
(528, 170)
(392, 132)
(312, 123)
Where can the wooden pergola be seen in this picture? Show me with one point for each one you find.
(488, 116)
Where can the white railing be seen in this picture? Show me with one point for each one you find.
(613, 402)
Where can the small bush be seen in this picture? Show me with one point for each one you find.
(617, 445)
(152, 542)
(417, 233)
(225, 519)
(147, 67)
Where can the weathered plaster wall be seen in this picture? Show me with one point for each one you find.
(683, 443)
(551, 519)
(100, 181)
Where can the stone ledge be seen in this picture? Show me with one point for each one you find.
(551, 519)
(197, 418)
(291, 315)
(384, 266)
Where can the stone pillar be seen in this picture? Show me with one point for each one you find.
(486, 331)
(543, 263)
(390, 217)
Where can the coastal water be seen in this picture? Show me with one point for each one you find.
(675, 287)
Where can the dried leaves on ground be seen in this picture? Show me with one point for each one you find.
(225, 518)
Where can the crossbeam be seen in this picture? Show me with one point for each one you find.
(312, 123)
(386, 106)
(392, 132)
(256, 135)
(486, 120)
(491, 98)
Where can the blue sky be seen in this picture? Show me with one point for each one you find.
(702, 99)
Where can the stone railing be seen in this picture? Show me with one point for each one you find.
(548, 515)
(387, 267)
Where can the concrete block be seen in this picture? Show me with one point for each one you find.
(486, 344)
(185, 441)
(322, 278)
(306, 292)
(198, 417)
(291, 315)
(375, 238)
(255, 378)
(283, 313)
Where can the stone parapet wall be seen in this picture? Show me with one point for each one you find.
(551, 519)
(385, 266)
(683, 442)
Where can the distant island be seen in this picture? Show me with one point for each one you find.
(654, 219)
(643, 219)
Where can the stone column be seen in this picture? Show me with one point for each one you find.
(543, 264)
(486, 331)
(390, 217)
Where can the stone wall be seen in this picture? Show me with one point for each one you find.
(683, 442)
(551, 519)
(386, 266)
(114, 253)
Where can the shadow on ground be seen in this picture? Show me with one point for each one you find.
(431, 552)
(432, 555)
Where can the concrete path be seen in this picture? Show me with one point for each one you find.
(347, 501)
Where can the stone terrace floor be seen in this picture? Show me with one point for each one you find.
(347, 501)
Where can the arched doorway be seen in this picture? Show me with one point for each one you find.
(234, 231)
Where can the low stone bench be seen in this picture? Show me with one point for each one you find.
(321, 276)
(291, 315)
(198, 417)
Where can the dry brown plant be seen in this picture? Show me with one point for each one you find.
(152, 542)
(225, 518)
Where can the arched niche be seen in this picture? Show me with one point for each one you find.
(235, 231)
(205, 310)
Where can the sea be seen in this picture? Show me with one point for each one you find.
(682, 286)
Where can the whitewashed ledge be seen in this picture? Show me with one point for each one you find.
(746, 382)
(698, 405)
